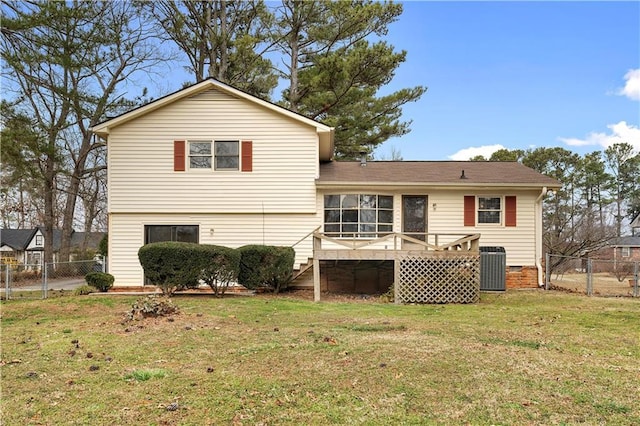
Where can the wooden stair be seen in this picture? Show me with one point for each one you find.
(301, 274)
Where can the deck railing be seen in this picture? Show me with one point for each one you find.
(401, 241)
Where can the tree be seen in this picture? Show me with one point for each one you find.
(334, 72)
(593, 181)
(68, 63)
(567, 221)
(24, 154)
(222, 39)
(508, 155)
(625, 186)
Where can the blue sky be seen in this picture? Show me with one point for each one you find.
(517, 75)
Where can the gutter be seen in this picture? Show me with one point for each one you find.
(538, 230)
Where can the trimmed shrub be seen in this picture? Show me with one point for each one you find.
(100, 280)
(170, 265)
(266, 266)
(219, 266)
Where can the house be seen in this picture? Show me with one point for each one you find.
(21, 246)
(635, 226)
(212, 164)
(626, 249)
(26, 246)
(622, 249)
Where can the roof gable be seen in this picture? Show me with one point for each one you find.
(17, 239)
(439, 173)
(325, 133)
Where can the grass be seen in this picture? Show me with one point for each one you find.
(514, 358)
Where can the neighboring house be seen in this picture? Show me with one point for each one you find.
(21, 246)
(626, 249)
(214, 165)
(635, 226)
(26, 246)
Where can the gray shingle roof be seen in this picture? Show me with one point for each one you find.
(17, 239)
(627, 242)
(496, 173)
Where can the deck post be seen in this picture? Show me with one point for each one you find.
(316, 270)
(396, 279)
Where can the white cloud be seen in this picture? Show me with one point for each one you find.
(631, 88)
(467, 153)
(620, 132)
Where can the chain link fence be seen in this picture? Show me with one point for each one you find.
(594, 277)
(25, 281)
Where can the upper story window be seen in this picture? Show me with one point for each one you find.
(358, 215)
(219, 155)
(227, 155)
(626, 251)
(199, 154)
(39, 240)
(489, 210)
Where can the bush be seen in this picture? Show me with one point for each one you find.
(218, 267)
(266, 266)
(83, 290)
(103, 246)
(100, 280)
(171, 265)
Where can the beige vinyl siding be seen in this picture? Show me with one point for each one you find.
(518, 241)
(126, 233)
(447, 217)
(285, 160)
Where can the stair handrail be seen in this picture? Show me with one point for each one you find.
(306, 236)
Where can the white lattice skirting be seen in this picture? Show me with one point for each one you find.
(437, 278)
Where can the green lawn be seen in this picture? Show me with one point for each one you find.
(527, 357)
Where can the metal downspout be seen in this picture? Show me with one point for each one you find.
(538, 230)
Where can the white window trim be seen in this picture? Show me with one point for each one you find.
(212, 156)
(188, 159)
(359, 234)
(239, 155)
(625, 251)
(477, 212)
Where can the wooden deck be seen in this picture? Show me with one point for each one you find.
(390, 246)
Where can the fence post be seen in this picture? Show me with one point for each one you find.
(396, 279)
(547, 270)
(589, 278)
(7, 288)
(636, 284)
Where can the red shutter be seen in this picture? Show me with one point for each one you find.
(247, 156)
(510, 211)
(469, 210)
(178, 156)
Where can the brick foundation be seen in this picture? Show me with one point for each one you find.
(526, 277)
